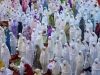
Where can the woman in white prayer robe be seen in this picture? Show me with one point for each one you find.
(58, 49)
(96, 15)
(13, 43)
(84, 48)
(65, 52)
(38, 26)
(29, 54)
(98, 47)
(73, 54)
(78, 44)
(3, 37)
(33, 35)
(21, 45)
(5, 54)
(96, 67)
(62, 37)
(79, 63)
(87, 64)
(92, 38)
(39, 40)
(45, 19)
(72, 32)
(87, 35)
(71, 21)
(66, 68)
(78, 33)
(57, 24)
(77, 20)
(44, 59)
(56, 14)
(54, 35)
(89, 25)
(63, 22)
(67, 16)
(56, 67)
(93, 52)
(72, 42)
(51, 47)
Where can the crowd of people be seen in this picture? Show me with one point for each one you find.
(50, 37)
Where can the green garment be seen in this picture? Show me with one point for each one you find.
(17, 62)
(62, 1)
(66, 29)
(51, 20)
(44, 38)
(74, 10)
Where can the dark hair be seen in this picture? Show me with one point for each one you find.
(95, 5)
(19, 23)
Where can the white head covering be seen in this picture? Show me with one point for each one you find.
(25, 61)
(98, 39)
(96, 67)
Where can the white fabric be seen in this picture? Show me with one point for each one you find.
(44, 60)
(62, 37)
(5, 55)
(73, 54)
(13, 43)
(51, 47)
(56, 69)
(22, 45)
(65, 53)
(58, 49)
(92, 39)
(96, 67)
(29, 54)
(98, 47)
(79, 64)
(66, 69)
